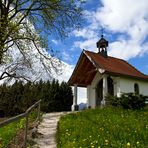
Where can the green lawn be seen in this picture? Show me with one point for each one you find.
(8, 133)
(104, 128)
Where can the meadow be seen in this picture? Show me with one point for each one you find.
(104, 128)
(14, 132)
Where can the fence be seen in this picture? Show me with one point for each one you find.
(24, 115)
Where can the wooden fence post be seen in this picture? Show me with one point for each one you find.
(26, 131)
(39, 108)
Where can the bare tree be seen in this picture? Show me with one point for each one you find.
(26, 25)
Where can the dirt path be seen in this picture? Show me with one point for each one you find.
(47, 130)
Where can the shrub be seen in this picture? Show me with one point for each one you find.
(132, 101)
(128, 101)
(112, 100)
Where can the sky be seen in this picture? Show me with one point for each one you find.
(125, 25)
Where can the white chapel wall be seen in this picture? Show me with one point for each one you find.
(91, 93)
(127, 85)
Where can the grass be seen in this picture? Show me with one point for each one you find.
(9, 132)
(104, 128)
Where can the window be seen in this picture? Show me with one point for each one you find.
(110, 86)
(136, 88)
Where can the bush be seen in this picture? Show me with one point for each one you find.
(132, 101)
(112, 100)
(128, 101)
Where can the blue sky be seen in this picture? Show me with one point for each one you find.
(125, 24)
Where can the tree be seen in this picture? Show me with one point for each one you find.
(17, 98)
(26, 24)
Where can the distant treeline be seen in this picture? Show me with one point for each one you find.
(17, 98)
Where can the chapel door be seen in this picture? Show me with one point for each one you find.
(99, 92)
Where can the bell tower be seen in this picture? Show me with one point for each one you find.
(102, 45)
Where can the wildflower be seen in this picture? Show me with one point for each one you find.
(128, 144)
(106, 141)
(84, 139)
(138, 142)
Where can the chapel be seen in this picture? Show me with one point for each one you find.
(102, 74)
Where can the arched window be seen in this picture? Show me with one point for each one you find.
(136, 88)
(110, 86)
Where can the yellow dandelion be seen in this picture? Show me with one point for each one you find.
(138, 142)
(128, 144)
(106, 141)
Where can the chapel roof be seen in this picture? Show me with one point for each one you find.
(90, 62)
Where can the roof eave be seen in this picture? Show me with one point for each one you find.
(75, 68)
(125, 75)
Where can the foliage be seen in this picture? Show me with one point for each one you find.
(128, 100)
(26, 25)
(104, 128)
(19, 97)
(112, 100)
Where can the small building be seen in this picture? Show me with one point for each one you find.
(102, 74)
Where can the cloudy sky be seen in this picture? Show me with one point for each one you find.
(125, 24)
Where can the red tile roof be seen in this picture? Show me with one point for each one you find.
(115, 65)
(111, 65)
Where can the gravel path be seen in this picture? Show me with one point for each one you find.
(47, 130)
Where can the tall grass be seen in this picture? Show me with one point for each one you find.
(104, 128)
(9, 132)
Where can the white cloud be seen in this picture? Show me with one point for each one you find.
(124, 49)
(88, 44)
(85, 33)
(129, 18)
(122, 14)
(54, 41)
(66, 56)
